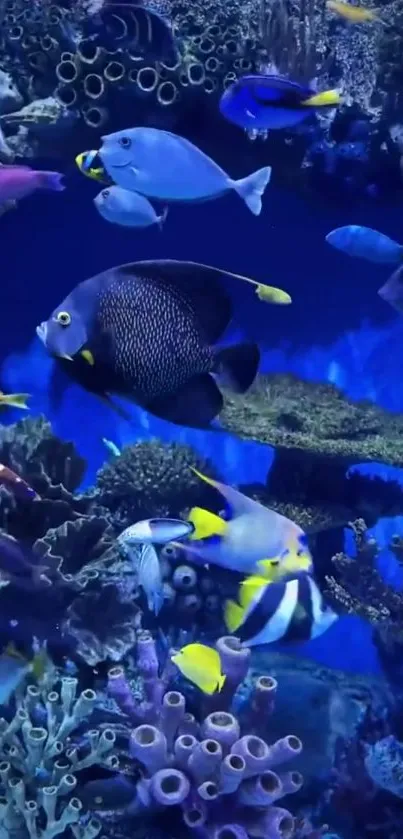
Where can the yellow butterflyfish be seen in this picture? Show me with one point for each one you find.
(201, 665)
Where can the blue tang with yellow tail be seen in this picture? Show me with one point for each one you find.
(167, 167)
(267, 102)
(252, 533)
(144, 331)
(291, 609)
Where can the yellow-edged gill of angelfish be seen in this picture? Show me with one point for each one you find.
(201, 665)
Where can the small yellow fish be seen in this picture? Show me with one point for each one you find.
(354, 14)
(327, 98)
(202, 666)
(15, 400)
(96, 173)
(269, 294)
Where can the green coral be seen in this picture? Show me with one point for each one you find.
(284, 411)
(152, 479)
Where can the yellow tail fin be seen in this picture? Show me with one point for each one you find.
(327, 98)
(205, 524)
(233, 615)
(15, 400)
(270, 294)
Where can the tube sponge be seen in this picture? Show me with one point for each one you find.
(193, 764)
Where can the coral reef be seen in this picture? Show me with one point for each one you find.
(51, 467)
(318, 434)
(359, 588)
(152, 479)
(290, 413)
(205, 765)
(45, 743)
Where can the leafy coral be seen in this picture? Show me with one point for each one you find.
(52, 467)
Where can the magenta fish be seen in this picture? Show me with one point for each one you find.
(17, 485)
(19, 181)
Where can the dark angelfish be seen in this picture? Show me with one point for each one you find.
(130, 24)
(144, 331)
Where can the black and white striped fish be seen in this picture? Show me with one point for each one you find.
(290, 610)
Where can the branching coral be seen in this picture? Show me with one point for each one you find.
(152, 479)
(43, 747)
(359, 588)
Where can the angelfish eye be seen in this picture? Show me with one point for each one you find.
(63, 318)
(105, 193)
(125, 142)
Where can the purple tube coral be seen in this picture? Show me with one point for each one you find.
(207, 766)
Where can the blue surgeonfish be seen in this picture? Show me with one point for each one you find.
(127, 209)
(366, 243)
(167, 167)
(265, 102)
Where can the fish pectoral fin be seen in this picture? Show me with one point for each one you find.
(195, 405)
(205, 524)
(233, 615)
(88, 357)
(134, 170)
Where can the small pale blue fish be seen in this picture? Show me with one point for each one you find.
(167, 167)
(128, 209)
(156, 531)
(150, 579)
(365, 243)
(392, 291)
(112, 447)
(266, 102)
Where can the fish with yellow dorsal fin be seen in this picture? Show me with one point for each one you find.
(202, 666)
(252, 533)
(289, 610)
(15, 400)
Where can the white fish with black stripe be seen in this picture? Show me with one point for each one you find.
(290, 610)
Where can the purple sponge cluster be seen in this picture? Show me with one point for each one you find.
(222, 778)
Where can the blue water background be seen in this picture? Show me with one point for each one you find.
(337, 329)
